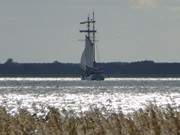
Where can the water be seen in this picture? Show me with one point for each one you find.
(129, 94)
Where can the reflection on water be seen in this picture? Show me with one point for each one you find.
(71, 93)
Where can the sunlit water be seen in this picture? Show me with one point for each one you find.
(129, 94)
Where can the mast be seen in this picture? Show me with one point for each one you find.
(94, 39)
(90, 22)
(88, 26)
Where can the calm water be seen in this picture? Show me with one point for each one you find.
(71, 93)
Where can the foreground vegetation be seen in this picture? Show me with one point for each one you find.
(152, 120)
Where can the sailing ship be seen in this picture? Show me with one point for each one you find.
(89, 68)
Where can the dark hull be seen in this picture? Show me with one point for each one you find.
(95, 77)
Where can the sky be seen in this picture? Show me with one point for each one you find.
(128, 30)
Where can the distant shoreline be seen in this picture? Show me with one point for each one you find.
(145, 69)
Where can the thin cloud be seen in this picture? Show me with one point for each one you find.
(145, 3)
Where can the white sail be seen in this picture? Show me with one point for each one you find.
(87, 58)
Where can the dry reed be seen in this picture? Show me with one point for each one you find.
(152, 120)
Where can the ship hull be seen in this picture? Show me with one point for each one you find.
(95, 77)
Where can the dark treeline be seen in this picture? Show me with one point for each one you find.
(115, 69)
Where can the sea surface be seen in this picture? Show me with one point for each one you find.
(126, 94)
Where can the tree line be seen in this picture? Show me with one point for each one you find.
(113, 69)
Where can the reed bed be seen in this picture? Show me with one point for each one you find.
(152, 120)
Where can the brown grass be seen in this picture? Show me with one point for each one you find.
(152, 120)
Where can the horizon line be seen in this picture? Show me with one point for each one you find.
(10, 60)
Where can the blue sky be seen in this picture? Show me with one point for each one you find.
(128, 30)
